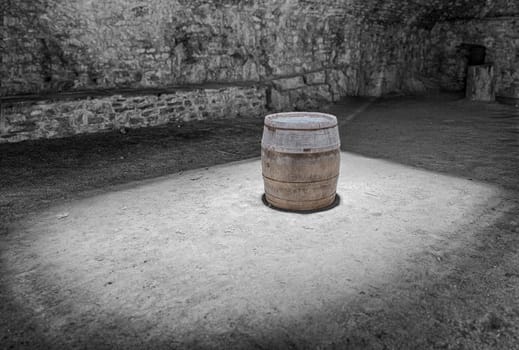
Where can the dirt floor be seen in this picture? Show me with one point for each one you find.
(437, 275)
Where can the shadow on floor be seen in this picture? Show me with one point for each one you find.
(478, 141)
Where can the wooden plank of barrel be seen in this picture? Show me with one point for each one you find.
(300, 158)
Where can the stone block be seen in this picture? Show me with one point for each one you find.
(167, 110)
(134, 121)
(24, 126)
(85, 116)
(338, 83)
(289, 83)
(481, 83)
(36, 113)
(16, 118)
(319, 92)
(311, 97)
(250, 71)
(148, 112)
(144, 106)
(95, 119)
(315, 78)
(279, 101)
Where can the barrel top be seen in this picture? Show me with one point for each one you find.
(301, 120)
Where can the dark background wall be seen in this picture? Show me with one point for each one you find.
(499, 35)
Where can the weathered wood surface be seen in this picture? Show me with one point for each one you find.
(481, 83)
(300, 160)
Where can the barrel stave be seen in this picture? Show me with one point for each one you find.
(300, 167)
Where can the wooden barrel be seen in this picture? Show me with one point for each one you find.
(300, 158)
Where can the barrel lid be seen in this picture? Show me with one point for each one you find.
(300, 120)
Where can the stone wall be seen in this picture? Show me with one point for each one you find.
(58, 45)
(397, 59)
(302, 53)
(294, 54)
(63, 45)
(59, 118)
(500, 36)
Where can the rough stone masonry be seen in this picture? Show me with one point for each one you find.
(266, 54)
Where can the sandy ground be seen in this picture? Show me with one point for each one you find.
(421, 253)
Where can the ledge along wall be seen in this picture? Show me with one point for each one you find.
(61, 118)
(208, 59)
